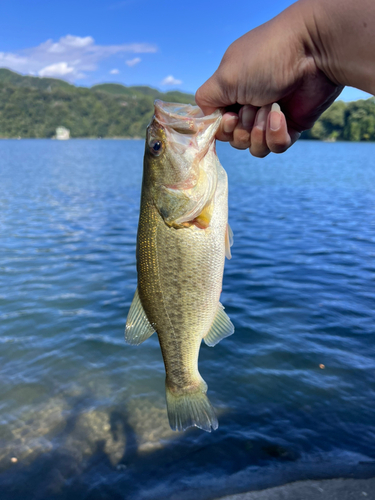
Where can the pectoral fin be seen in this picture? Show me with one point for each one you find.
(138, 328)
(228, 242)
(221, 327)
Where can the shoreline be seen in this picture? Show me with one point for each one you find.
(72, 139)
(137, 138)
(324, 489)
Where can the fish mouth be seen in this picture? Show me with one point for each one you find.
(184, 118)
(186, 126)
(190, 141)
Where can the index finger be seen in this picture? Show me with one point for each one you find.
(227, 126)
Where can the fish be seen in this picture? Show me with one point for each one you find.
(182, 241)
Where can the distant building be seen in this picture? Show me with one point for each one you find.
(62, 134)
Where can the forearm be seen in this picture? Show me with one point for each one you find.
(342, 40)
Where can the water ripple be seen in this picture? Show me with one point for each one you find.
(85, 415)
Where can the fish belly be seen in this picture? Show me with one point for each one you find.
(179, 282)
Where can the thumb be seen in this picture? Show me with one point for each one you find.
(212, 95)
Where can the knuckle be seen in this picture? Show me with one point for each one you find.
(278, 149)
(241, 139)
(259, 147)
(199, 95)
(223, 137)
(278, 146)
(259, 152)
(237, 145)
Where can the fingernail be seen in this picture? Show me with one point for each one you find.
(248, 117)
(275, 117)
(260, 120)
(240, 113)
(229, 123)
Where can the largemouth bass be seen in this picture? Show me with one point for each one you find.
(183, 238)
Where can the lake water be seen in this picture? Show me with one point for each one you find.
(83, 415)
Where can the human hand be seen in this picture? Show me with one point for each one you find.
(262, 130)
(270, 64)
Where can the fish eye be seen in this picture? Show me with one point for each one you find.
(156, 148)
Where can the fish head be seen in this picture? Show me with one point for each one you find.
(178, 172)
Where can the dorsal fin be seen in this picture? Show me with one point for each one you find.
(138, 328)
(221, 327)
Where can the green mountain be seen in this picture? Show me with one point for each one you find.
(142, 91)
(8, 77)
(351, 121)
(35, 107)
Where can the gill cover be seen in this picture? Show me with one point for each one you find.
(182, 158)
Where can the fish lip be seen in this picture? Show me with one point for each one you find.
(179, 120)
(184, 118)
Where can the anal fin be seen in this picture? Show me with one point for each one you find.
(221, 327)
(138, 328)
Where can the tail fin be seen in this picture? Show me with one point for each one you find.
(190, 409)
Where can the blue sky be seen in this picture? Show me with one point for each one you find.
(164, 44)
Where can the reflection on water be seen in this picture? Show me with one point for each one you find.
(82, 415)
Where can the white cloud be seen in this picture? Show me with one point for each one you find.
(56, 70)
(70, 57)
(114, 72)
(133, 62)
(69, 41)
(171, 80)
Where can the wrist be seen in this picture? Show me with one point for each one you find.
(340, 38)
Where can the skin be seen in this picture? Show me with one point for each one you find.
(301, 59)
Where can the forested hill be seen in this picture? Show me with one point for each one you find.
(351, 121)
(35, 107)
